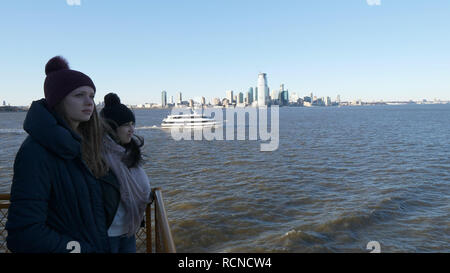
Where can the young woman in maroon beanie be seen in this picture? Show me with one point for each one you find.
(63, 198)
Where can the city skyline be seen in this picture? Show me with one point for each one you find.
(280, 97)
(252, 97)
(271, 96)
(368, 50)
(211, 100)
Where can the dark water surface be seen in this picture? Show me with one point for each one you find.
(340, 178)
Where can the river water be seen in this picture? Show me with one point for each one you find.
(341, 177)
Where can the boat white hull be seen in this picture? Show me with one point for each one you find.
(194, 120)
(187, 125)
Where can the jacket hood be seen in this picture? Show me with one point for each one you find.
(51, 131)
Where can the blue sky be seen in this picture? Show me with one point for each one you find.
(399, 49)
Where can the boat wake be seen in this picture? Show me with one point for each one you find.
(12, 131)
(148, 127)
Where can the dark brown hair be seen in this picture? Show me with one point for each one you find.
(133, 154)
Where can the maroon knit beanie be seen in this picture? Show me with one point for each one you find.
(61, 80)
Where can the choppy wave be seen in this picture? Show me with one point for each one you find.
(236, 163)
(350, 222)
(12, 131)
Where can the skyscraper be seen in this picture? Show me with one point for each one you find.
(285, 94)
(283, 97)
(179, 98)
(230, 96)
(263, 90)
(274, 94)
(240, 98)
(216, 101)
(163, 99)
(250, 95)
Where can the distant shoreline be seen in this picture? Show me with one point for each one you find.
(288, 106)
(345, 104)
(13, 109)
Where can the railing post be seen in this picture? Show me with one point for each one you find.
(164, 241)
(148, 227)
(157, 231)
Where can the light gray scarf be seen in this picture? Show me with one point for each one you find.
(134, 184)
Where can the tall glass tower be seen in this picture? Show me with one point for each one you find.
(262, 89)
(179, 98)
(230, 96)
(163, 99)
(241, 97)
(250, 95)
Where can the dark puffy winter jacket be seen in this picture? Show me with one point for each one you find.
(55, 199)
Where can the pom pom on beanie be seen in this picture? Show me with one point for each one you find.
(61, 80)
(116, 113)
(55, 64)
(111, 99)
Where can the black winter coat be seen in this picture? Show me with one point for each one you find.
(55, 199)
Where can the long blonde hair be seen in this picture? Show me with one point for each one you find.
(91, 133)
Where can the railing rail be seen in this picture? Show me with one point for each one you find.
(4, 200)
(163, 236)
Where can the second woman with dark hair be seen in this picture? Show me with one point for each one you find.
(122, 153)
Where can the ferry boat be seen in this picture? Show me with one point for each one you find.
(193, 120)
